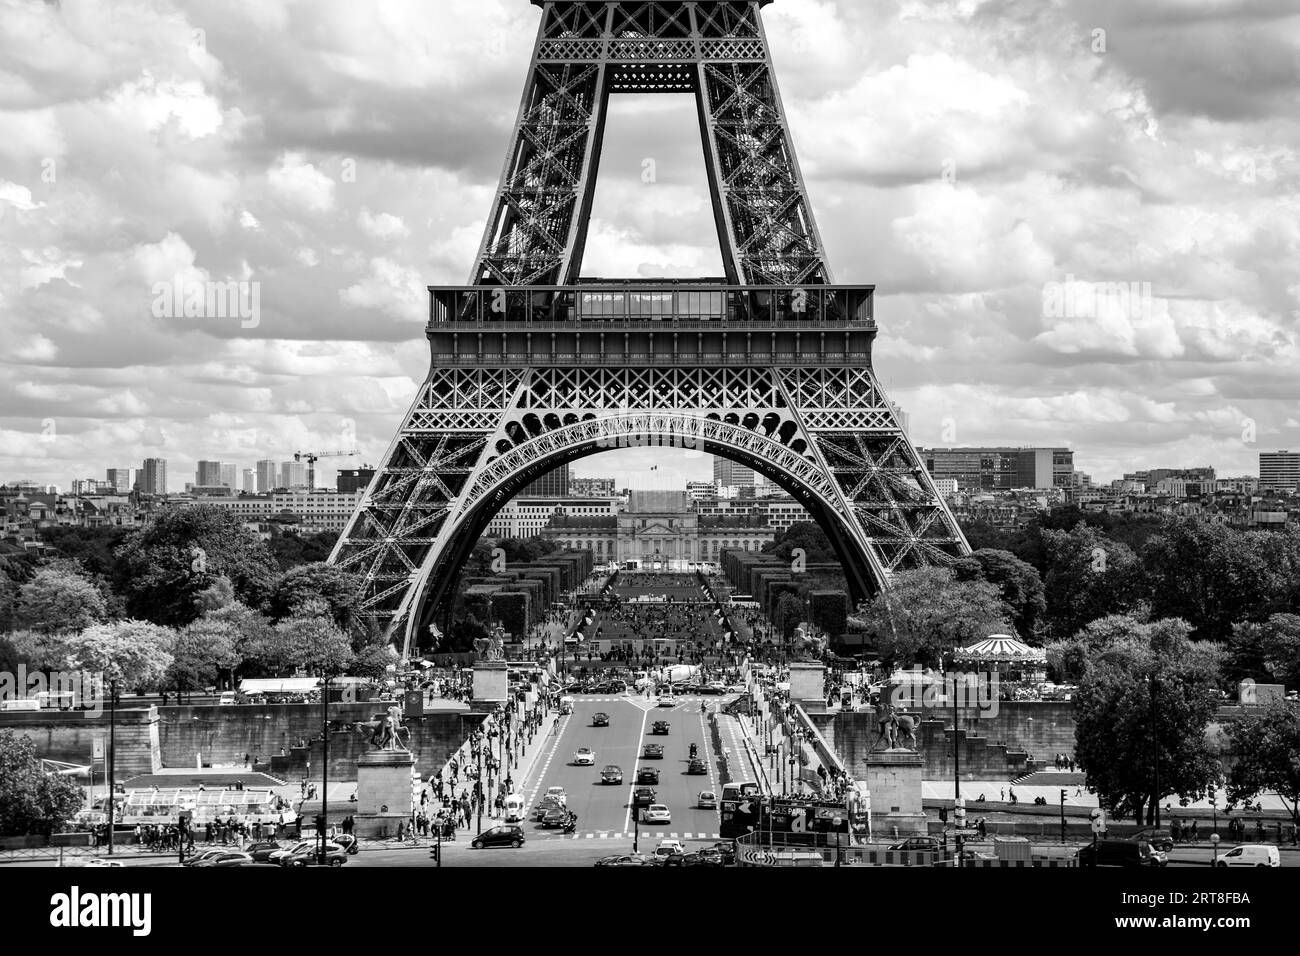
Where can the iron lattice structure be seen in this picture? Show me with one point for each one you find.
(532, 367)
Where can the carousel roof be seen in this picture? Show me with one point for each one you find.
(1001, 647)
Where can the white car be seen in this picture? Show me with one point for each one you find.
(656, 813)
(1251, 854)
(97, 861)
(707, 800)
(584, 758)
(667, 700)
(558, 793)
(717, 687)
(669, 848)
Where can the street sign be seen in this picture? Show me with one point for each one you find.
(97, 748)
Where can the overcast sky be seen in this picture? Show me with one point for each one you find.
(963, 156)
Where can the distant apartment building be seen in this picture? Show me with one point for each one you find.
(527, 517)
(249, 483)
(207, 473)
(352, 480)
(1152, 477)
(268, 473)
(728, 474)
(1279, 469)
(592, 488)
(701, 490)
(151, 479)
(229, 475)
(1185, 487)
(307, 511)
(946, 486)
(120, 479)
(1245, 485)
(293, 474)
(553, 484)
(1001, 469)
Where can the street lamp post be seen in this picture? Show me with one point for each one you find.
(112, 748)
(324, 767)
(478, 784)
(1155, 747)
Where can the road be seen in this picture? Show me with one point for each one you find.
(605, 810)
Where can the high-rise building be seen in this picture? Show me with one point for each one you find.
(152, 477)
(249, 484)
(592, 487)
(293, 474)
(728, 474)
(267, 473)
(553, 484)
(120, 479)
(1001, 469)
(229, 475)
(1279, 469)
(208, 473)
(352, 480)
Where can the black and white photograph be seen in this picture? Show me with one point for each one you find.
(744, 435)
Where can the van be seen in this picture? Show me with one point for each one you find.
(566, 705)
(1120, 853)
(1252, 854)
(228, 697)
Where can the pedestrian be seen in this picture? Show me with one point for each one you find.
(1194, 829)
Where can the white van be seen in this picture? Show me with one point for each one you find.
(228, 697)
(515, 808)
(1250, 854)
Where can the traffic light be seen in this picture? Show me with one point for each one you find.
(435, 853)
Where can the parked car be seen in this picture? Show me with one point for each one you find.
(1118, 853)
(653, 752)
(659, 727)
(917, 843)
(507, 834)
(305, 854)
(261, 852)
(201, 855)
(611, 774)
(1162, 840)
(226, 858)
(647, 775)
(600, 719)
(707, 800)
(584, 758)
(1251, 854)
(626, 859)
(656, 813)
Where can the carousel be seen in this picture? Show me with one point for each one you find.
(1013, 660)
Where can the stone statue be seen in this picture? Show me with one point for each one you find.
(388, 731)
(897, 731)
(492, 647)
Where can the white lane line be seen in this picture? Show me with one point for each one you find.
(631, 800)
(555, 748)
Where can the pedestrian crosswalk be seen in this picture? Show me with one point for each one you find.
(644, 835)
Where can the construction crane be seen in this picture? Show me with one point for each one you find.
(311, 457)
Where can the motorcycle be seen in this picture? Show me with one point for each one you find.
(572, 825)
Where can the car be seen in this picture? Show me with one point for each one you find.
(555, 817)
(707, 800)
(715, 687)
(697, 858)
(305, 854)
(626, 859)
(643, 797)
(647, 775)
(507, 834)
(600, 719)
(917, 843)
(226, 858)
(697, 766)
(543, 805)
(666, 700)
(656, 813)
(653, 752)
(659, 727)
(611, 774)
(1162, 840)
(1118, 853)
(261, 852)
(584, 758)
(204, 854)
(98, 862)
(667, 848)
(557, 793)
(727, 851)
(348, 842)
(1254, 854)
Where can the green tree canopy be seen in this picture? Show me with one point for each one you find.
(928, 611)
(164, 567)
(204, 651)
(1017, 581)
(317, 582)
(1148, 696)
(31, 800)
(1087, 576)
(1266, 652)
(1267, 750)
(373, 661)
(60, 599)
(802, 534)
(316, 643)
(135, 654)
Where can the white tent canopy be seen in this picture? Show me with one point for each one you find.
(1001, 647)
(279, 685)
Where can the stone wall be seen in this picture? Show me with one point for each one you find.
(69, 736)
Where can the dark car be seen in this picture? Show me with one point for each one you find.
(508, 834)
(555, 817)
(611, 774)
(917, 843)
(600, 720)
(697, 858)
(1118, 853)
(223, 860)
(697, 766)
(726, 852)
(659, 727)
(647, 775)
(1162, 840)
(261, 852)
(630, 859)
(643, 797)
(653, 752)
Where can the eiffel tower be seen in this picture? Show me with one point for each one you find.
(532, 366)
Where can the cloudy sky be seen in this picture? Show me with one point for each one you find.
(966, 157)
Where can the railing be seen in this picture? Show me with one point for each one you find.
(496, 359)
(825, 754)
(663, 302)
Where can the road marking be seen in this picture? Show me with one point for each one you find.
(631, 790)
(555, 748)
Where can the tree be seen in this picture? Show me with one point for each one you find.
(788, 613)
(1267, 652)
(1148, 695)
(31, 800)
(373, 661)
(8, 602)
(1265, 745)
(806, 535)
(1070, 659)
(59, 599)
(204, 650)
(927, 611)
(134, 654)
(91, 548)
(317, 582)
(1018, 581)
(1209, 574)
(291, 549)
(1087, 576)
(163, 568)
(317, 645)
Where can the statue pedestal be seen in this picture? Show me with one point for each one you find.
(807, 680)
(894, 782)
(385, 783)
(491, 685)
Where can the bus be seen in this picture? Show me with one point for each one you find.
(162, 807)
(811, 822)
(738, 810)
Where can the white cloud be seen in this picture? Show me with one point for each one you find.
(383, 226)
(301, 184)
